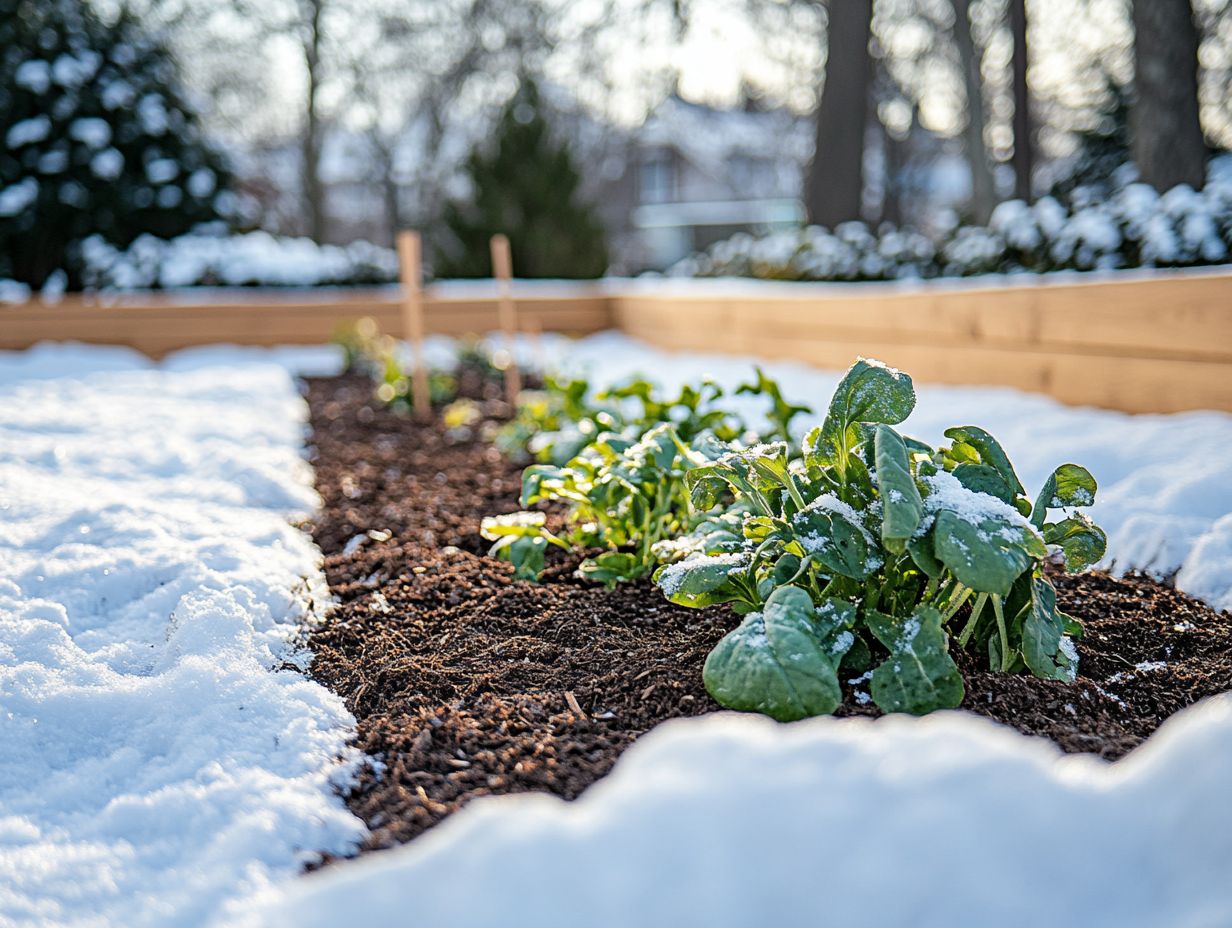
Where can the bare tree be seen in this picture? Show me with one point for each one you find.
(834, 184)
(983, 191)
(1024, 143)
(1165, 132)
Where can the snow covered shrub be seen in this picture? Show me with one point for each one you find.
(859, 556)
(1132, 227)
(256, 259)
(95, 139)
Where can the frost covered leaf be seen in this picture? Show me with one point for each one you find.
(700, 580)
(981, 478)
(835, 542)
(1043, 630)
(776, 662)
(870, 392)
(1083, 542)
(919, 676)
(901, 506)
(1068, 485)
(982, 555)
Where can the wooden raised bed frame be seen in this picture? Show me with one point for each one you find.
(1137, 342)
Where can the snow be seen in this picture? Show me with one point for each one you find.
(1133, 226)
(255, 258)
(27, 132)
(15, 198)
(155, 769)
(734, 821)
(92, 131)
(183, 590)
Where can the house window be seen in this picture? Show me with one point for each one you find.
(658, 180)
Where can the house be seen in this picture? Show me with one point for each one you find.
(704, 173)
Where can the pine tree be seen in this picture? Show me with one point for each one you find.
(525, 185)
(95, 139)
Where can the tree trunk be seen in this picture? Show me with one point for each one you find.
(1024, 155)
(834, 185)
(983, 191)
(310, 167)
(1166, 135)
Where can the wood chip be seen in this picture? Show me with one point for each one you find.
(574, 706)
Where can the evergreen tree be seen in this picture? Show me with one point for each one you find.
(525, 185)
(95, 139)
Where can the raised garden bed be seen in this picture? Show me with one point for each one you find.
(466, 682)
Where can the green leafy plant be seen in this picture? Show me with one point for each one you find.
(625, 496)
(872, 552)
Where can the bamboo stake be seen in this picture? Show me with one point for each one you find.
(411, 266)
(502, 270)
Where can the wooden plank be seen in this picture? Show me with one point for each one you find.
(161, 325)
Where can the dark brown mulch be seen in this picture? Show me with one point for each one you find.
(468, 683)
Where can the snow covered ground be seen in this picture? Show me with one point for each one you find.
(152, 767)
(155, 770)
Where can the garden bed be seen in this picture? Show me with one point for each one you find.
(466, 682)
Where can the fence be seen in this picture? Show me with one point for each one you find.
(1157, 342)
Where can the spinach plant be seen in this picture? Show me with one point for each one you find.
(625, 496)
(872, 552)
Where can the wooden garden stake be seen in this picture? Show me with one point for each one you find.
(502, 270)
(411, 267)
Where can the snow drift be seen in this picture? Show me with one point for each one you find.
(158, 757)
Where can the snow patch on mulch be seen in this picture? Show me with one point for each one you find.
(735, 821)
(155, 761)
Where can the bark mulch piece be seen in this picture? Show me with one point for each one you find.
(468, 683)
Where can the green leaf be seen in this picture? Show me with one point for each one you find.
(922, 551)
(870, 392)
(919, 676)
(901, 506)
(1082, 541)
(706, 485)
(980, 556)
(1043, 628)
(611, 567)
(980, 478)
(699, 580)
(833, 541)
(525, 553)
(775, 663)
(990, 453)
(1070, 485)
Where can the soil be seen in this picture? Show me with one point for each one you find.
(468, 683)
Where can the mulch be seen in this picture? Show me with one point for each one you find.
(468, 683)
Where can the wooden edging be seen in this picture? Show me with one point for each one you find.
(1138, 343)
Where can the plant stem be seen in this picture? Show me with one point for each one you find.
(1005, 638)
(976, 609)
(795, 493)
(956, 603)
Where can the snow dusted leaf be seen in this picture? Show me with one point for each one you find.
(981, 555)
(776, 662)
(837, 543)
(700, 580)
(901, 505)
(981, 478)
(919, 676)
(870, 392)
(1068, 485)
